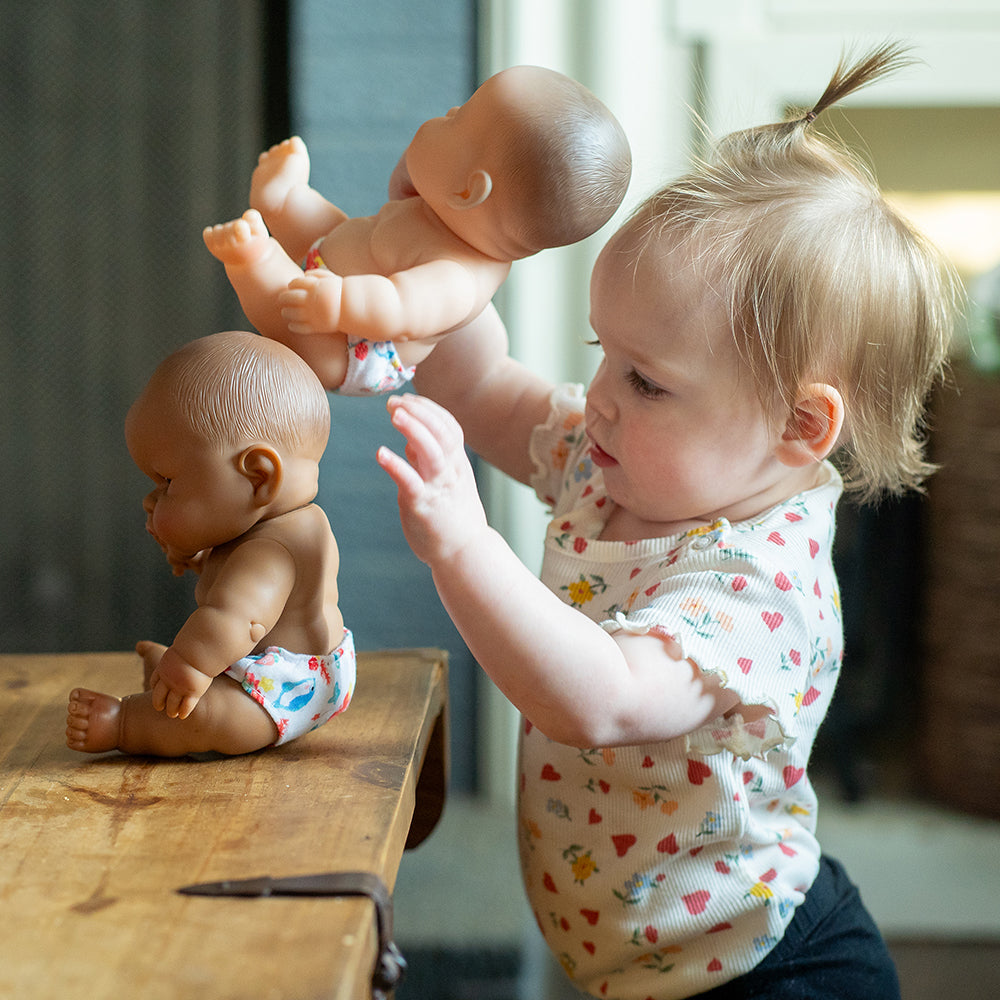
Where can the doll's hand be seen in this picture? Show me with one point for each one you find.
(177, 686)
(439, 504)
(311, 303)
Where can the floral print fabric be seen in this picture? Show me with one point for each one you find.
(664, 870)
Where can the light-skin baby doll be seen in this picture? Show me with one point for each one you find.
(677, 656)
(230, 429)
(531, 160)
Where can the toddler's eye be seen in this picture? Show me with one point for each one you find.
(643, 386)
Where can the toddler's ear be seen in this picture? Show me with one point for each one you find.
(814, 426)
(261, 465)
(478, 186)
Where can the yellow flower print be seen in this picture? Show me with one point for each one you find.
(584, 589)
(583, 868)
(642, 798)
(266, 684)
(559, 455)
(762, 891)
(582, 865)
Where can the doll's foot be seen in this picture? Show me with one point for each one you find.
(92, 721)
(243, 241)
(278, 170)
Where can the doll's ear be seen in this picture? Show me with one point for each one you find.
(478, 186)
(814, 426)
(261, 465)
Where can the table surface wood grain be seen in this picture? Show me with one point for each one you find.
(94, 848)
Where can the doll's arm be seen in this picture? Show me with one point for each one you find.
(578, 684)
(413, 304)
(241, 607)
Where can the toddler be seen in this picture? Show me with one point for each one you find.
(677, 657)
(531, 160)
(231, 429)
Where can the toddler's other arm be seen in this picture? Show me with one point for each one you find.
(577, 683)
(495, 399)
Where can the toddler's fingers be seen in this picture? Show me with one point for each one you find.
(405, 477)
(434, 417)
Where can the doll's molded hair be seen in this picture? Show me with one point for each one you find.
(571, 160)
(825, 281)
(236, 388)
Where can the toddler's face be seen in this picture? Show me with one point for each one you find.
(675, 420)
(199, 498)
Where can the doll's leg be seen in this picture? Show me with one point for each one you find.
(226, 720)
(295, 213)
(257, 267)
(150, 653)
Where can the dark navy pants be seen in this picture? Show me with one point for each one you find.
(832, 950)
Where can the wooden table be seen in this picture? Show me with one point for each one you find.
(93, 848)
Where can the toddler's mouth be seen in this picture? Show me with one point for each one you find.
(600, 457)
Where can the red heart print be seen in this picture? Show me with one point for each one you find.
(792, 775)
(623, 842)
(722, 868)
(739, 582)
(652, 590)
(782, 582)
(549, 773)
(651, 934)
(594, 817)
(744, 664)
(564, 924)
(724, 926)
(668, 845)
(776, 538)
(603, 785)
(816, 590)
(549, 882)
(715, 965)
(795, 656)
(528, 726)
(698, 771)
(787, 851)
(772, 619)
(587, 492)
(747, 777)
(769, 876)
(635, 573)
(589, 947)
(591, 916)
(697, 901)
(813, 547)
(579, 544)
(810, 696)
(647, 761)
(792, 517)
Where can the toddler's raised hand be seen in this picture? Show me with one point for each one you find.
(439, 504)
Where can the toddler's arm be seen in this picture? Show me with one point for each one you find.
(495, 399)
(241, 607)
(577, 683)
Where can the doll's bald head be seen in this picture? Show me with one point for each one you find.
(237, 388)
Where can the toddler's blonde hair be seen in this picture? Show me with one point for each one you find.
(824, 280)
